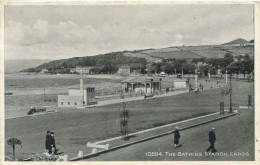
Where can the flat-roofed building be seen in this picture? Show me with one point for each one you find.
(142, 85)
(78, 96)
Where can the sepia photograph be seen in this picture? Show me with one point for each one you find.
(129, 82)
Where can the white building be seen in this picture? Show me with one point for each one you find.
(124, 70)
(82, 70)
(78, 96)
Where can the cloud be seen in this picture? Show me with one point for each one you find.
(71, 34)
(85, 31)
(41, 32)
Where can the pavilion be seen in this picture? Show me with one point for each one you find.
(142, 85)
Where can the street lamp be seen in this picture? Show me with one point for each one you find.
(230, 92)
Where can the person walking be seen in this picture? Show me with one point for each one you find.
(47, 142)
(177, 137)
(52, 144)
(212, 140)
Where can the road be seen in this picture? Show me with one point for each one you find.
(235, 142)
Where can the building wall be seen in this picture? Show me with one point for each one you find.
(124, 71)
(83, 70)
(180, 84)
(75, 98)
(75, 92)
(89, 95)
(70, 101)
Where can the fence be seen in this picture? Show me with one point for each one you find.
(117, 94)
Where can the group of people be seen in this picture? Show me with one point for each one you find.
(212, 139)
(50, 143)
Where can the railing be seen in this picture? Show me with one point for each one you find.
(118, 94)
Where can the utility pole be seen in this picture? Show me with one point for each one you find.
(230, 109)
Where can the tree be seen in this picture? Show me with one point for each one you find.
(12, 142)
(94, 70)
(155, 68)
(204, 69)
(228, 59)
(188, 68)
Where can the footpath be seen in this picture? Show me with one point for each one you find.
(115, 101)
(149, 134)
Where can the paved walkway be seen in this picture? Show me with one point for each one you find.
(117, 141)
(115, 101)
(232, 144)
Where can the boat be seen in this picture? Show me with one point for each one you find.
(34, 110)
(8, 93)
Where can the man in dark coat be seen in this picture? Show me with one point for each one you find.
(47, 142)
(52, 144)
(177, 137)
(212, 140)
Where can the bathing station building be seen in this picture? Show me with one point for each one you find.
(78, 96)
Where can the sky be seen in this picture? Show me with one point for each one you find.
(60, 32)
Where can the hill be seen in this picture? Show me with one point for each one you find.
(103, 63)
(237, 41)
(138, 59)
(12, 66)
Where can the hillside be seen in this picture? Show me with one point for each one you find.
(237, 41)
(194, 52)
(138, 59)
(100, 63)
(12, 66)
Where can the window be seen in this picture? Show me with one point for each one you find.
(83, 102)
(75, 103)
(61, 103)
(68, 103)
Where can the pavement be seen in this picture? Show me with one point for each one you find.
(235, 142)
(115, 101)
(157, 132)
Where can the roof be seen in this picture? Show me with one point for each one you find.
(78, 86)
(141, 80)
(181, 80)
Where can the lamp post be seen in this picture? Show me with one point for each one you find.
(230, 92)
(209, 74)
(196, 80)
(226, 77)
